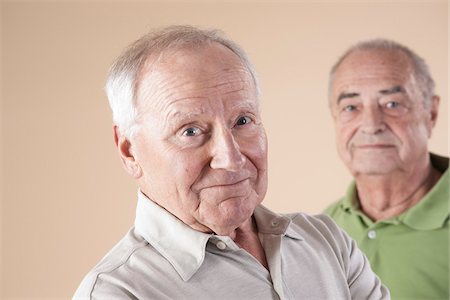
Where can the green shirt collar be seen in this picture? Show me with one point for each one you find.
(431, 212)
(350, 201)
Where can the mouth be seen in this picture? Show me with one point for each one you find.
(221, 180)
(374, 146)
(228, 184)
(221, 192)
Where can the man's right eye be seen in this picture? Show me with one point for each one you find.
(191, 131)
(349, 108)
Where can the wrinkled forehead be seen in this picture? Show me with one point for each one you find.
(375, 63)
(193, 72)
(205, 57)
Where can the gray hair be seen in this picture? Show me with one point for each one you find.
(421, 70)
(122, 82)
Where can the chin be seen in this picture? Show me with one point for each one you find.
(235, 211)
(373, 168)
(370, 164)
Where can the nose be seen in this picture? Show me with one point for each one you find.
(372, 120)
(226, 153)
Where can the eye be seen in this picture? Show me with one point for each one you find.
(243, 120)
(349, 108)
(392, 104)
(191, 131)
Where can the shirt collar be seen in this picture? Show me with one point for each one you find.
(432, 211)
(350, 201)
(269, 222)
(181, 245)
(185, 247)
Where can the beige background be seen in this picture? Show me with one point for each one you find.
(65, 198)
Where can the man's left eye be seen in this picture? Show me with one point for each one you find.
(191, 131)
(243, 120)
(392, 104)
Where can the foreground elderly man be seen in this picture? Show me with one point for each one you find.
(188, 129)
(384, 107)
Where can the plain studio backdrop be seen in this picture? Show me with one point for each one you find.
(65, 199)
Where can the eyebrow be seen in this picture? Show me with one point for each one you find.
(389, 91)
(392, 90)
(346, 95)
(245, 105)
(182, 117)
(178, 117)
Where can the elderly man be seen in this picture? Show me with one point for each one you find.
(188, 129)
(384, 108)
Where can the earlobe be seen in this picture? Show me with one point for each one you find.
(434, 109)
(127, 157)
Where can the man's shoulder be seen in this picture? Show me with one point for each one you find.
(345, 203)
(301, 218)
(334, 208)
(110, 264)
(319, 227)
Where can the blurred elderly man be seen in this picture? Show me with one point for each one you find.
(384, 108)
(188, 129)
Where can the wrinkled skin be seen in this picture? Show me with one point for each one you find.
(200, 150)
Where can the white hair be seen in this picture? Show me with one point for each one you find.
(421, 70)
(121, 85)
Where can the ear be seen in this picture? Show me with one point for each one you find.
(433, 113)
(126, 154)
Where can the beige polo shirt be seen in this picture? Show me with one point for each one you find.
(163, 258)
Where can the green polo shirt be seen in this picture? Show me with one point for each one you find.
(410, 253)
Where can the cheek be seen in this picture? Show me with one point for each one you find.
(186, 169)
(256, 152)
(188, 165)
(170, 167)
(255, 149)
(148, 157)
(343, 135)
(414, 137)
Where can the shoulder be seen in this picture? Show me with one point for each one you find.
(320, 222)
(347, 202)
(326, 237)
(320, 242)
(336, 249)
(320, 228)
(300, 218)
(109, 267)
(334, 208)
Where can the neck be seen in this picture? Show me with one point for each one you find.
(246, 236)
(386, 196)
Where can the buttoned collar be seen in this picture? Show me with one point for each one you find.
(430, 213)
(269, 222)
(181, 245)
(185, 247)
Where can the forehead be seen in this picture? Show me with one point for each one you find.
(377, 66)
(193, 73)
